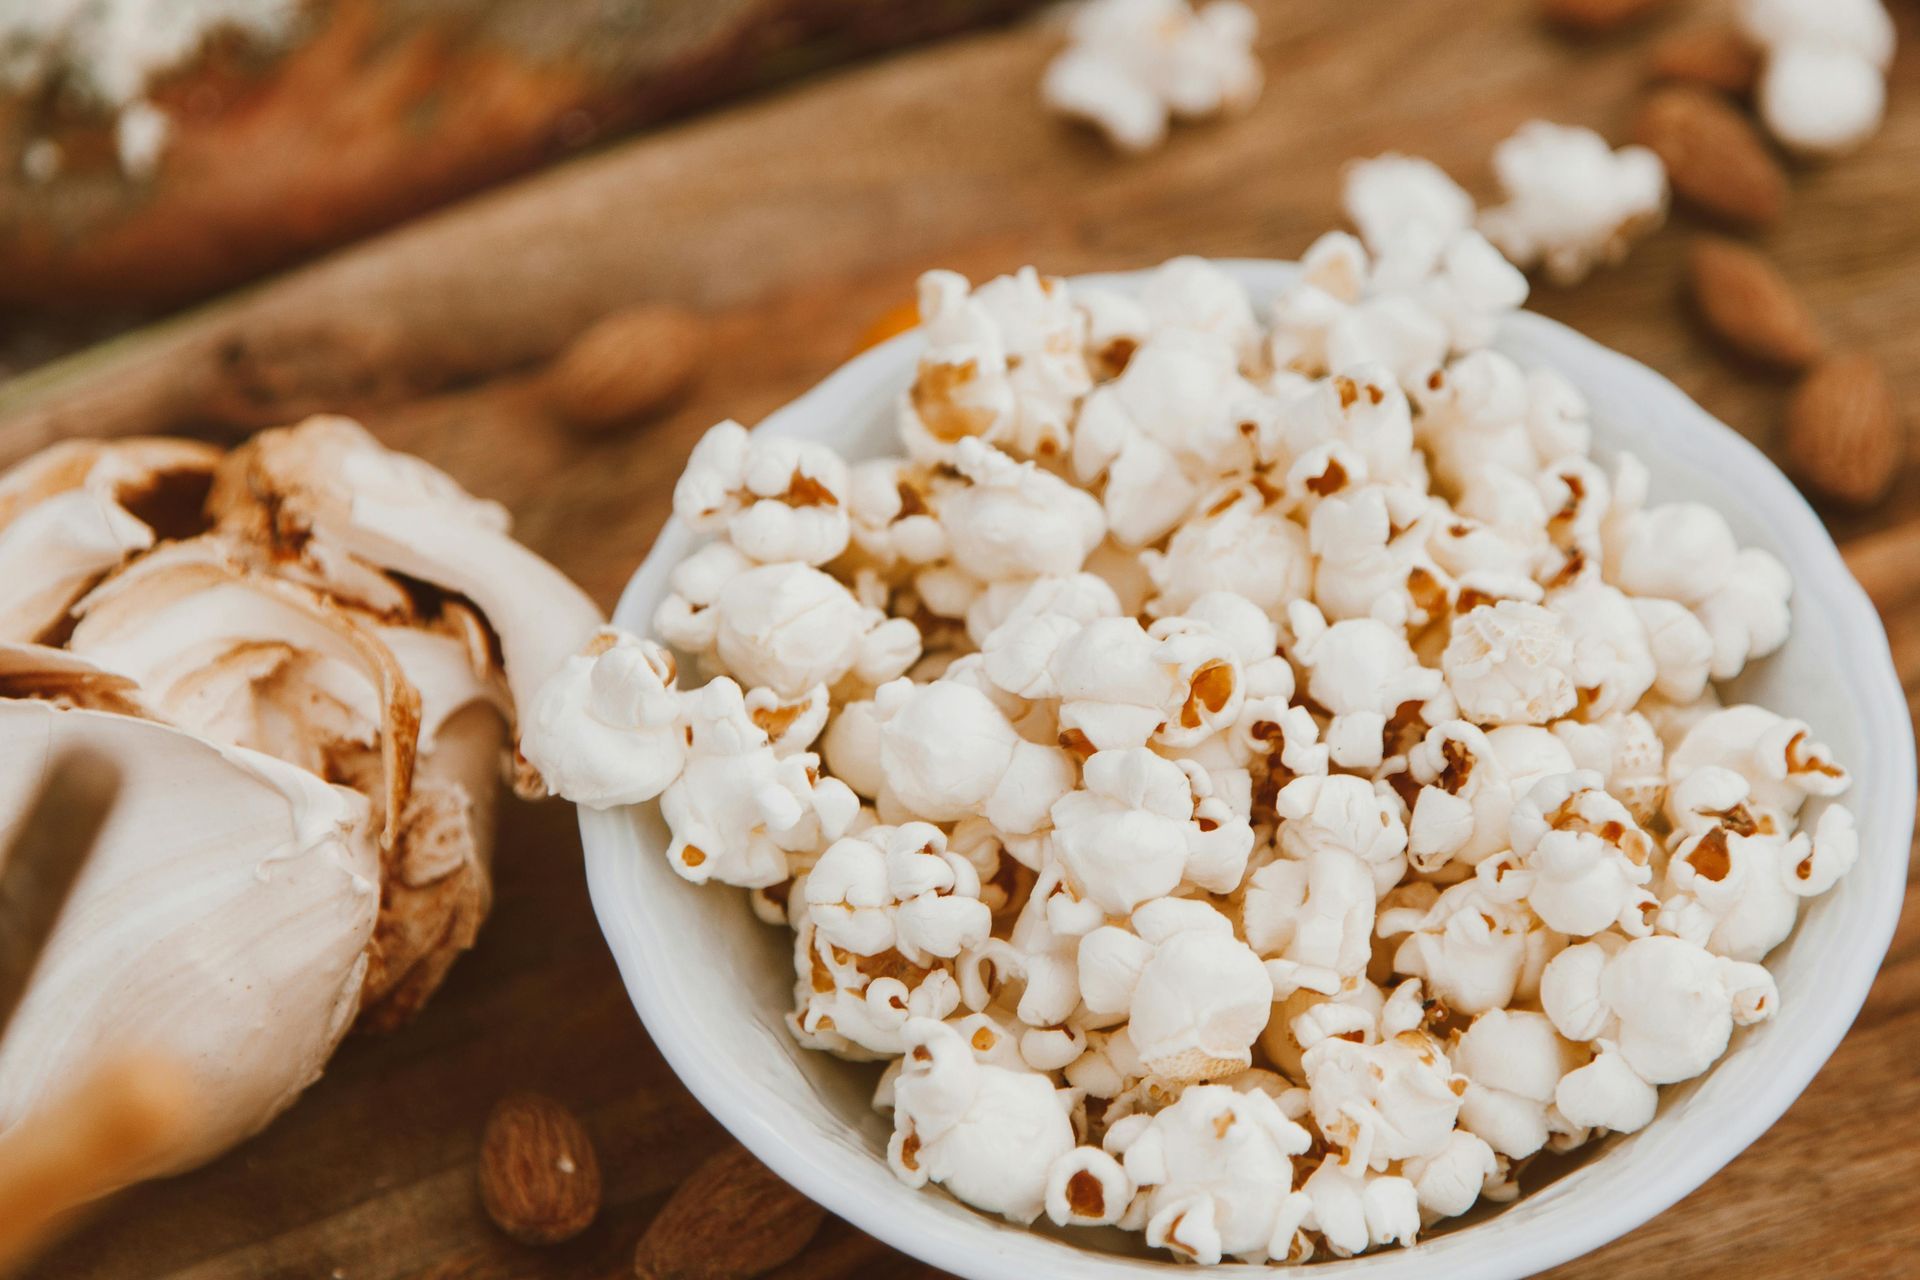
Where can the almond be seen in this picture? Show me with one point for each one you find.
(1595, 16)
(1716, 57)
(732, 1220)
(1749, 305)
(1844, 440)
(1714, 157)
(627, 367)
(539, 1179)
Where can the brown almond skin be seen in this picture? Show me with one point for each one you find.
(1844, 440)
(1594, 17)
(732, 1220)
(1749, 305)
(1716, 56)
(1714, 156)
(629, 366)
(539, 1178)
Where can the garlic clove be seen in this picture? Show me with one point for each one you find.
(328, 482)
(228, 890)
(253, 661)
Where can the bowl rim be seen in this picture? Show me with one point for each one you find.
(607, 836)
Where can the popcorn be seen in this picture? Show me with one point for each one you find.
(776, 499)
(1134, 64)
(1168, 426)
(1737, 874)
(1668, 1006)
(1372, 557)
(737, 809)
(1013, 520)
(1087, 1188)
(1216, 1172)
(1362, 408)
(608, 724)
(1612, 664)
(1514, 1061)
(1447, 1183)
(1192, 294)
(1407, 209)
(897, 888)
(1823, 89)
(857, 1007)
(1140, 826)
(1507, 663)
(1195, 996)
(1390, 1100)
(1624, 750)
(1043, 957)
(1572, 203)
(1469, 780)
(1237, 544)
(1362, 671)
(1356, 1210)
(1175, 683)
(1314, 917)
(1217, 742)
(1003, 365)
(1579, 859)
(1328, 321)
(1774, 755)
(947, 752)
(785, 626)
(890, 516)
(1348, 815)
(1474, 950)
(1685, 552)
(1418, 225)
(987, 1134)
(1019, 648)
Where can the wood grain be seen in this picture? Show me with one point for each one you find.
(800, 219)
(379, 109)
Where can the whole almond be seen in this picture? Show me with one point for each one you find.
(1714, 157)
(1717, 56)
(539, 1179)
(627, 367)
(1749, 305)
(732, 1220)
(1595, 16)
(1843, 438)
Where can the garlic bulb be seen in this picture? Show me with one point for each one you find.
(306, 654)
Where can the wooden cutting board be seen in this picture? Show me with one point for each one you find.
(801, 218)
(369, 111)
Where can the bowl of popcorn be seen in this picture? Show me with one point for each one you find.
(1241, 762)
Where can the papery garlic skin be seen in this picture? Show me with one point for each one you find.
(1259, 781)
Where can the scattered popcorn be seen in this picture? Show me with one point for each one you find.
(1823, 87)
(1573, 203)
(1256, 784)
(1134, 65)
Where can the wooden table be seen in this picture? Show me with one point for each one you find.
(803, 216)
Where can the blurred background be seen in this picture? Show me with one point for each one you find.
(218, 215)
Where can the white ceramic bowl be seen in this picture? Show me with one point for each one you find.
(712, 983)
